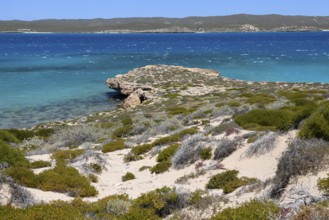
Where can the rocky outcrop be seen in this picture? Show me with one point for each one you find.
(147, 82)
(135, 93)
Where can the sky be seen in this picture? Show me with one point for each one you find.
(75, 9)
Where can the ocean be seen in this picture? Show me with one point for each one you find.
(47, 77)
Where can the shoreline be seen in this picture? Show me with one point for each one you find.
(162, 32)
(83, 118)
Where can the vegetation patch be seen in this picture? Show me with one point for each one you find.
(141, 149)
(167, 153)
(39, 164)
(161, 167)
(64, 156)
(260, 210)
(11, 155)
(228, 181)
(113, 146)
(206, 153)
(301, 158)
(323, 184)
(128, 176)
(278, 119)
(317, 126)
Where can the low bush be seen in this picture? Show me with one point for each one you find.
(6, 136)
(223, 127)
(118, 206)
(301, 158)
(262, 145)
(260, 210)
(162, 202)
(39, 164)
(279, 119)
(180, 111)
(189, 152)
(114, 146)
(206, 153)
(96, 167)
(132, 157)
(60, 179)
(323, 184)
(23, 176)
(128, 176)
(11, 155)
(144, 148)
(44, 132)
(228, 181)
(122, 132)
(161, 167)
(21, 134)
(75, 135)
(66, 180)
(225, 148)
(167, 153)
(317, 126)
(260, 99)
(314, 212)
(141, 149)
(64, 156)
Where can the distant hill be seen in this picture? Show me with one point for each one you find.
(232, 23)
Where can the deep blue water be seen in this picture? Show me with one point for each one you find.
(45, 77)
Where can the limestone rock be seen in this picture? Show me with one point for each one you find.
(132, 101)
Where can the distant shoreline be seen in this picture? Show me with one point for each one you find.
(164, 32)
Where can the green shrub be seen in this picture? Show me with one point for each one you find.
(122, 132)
(260, 99)
(23, 176)
(96, 167)
(228, 181)
(167, 153)
(11, 155)
(251, 210)
(180, 111)
(280, 119)
(128, 176)
(234, 104)
(113, 146)
(323, 184)
(223, 127)
(64, 156)
(21, 134)
(54, 210)
(141, 149)
(144, 168)
(132, 157)
(206, 153)
(66, 179)
(40, 164)
(127, 121)
(161, 167)
(161, 201)
(44, 132)
(8, 137)
(317, 126)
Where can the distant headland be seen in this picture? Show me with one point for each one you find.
(231, 23)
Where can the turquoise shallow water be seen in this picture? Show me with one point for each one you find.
(45, 77)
